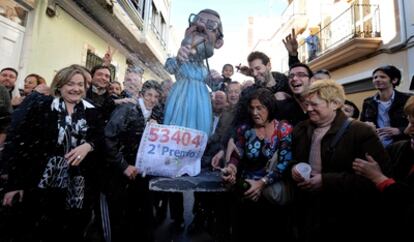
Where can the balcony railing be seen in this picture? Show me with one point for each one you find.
(358, 21)
(135, 10)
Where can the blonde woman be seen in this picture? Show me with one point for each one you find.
(335, 203)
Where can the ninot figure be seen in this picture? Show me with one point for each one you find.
(188, 103)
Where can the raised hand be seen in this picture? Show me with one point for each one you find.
(107, 59)
(291, 43)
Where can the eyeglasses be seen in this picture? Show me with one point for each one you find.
(209, 24)
(299, 74)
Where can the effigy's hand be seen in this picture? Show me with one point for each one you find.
(183, 53)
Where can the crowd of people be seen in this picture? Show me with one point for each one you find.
(68, 151)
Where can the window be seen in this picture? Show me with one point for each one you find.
(14, 12)
(139, 5)
(154, 17)
(359, 86)
(163, 30)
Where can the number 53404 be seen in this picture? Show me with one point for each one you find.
(179, 137)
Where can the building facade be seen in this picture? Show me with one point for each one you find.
(354, 37)
(43, 36)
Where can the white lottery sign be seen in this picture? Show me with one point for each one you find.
(171, 151)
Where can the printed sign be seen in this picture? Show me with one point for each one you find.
(170, 151)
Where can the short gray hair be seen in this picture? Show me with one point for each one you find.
(135, 69)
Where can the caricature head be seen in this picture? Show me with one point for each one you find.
(205, 32)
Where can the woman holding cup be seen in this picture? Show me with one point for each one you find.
(333, 195)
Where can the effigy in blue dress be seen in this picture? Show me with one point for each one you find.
(188, 103)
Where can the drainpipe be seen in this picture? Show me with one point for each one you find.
(405, 41)
(402, 21)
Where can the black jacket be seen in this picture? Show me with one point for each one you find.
(398, 119)
(399, 197)
(345, 199)
(123, 134)
(104, 103)
(32, 139)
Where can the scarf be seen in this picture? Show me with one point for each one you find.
(72, 130)
(145, 111)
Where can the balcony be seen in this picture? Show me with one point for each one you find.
(135, 10)
(353, 34)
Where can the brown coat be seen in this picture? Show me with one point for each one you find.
(346, 200)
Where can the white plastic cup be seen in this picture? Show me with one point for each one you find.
(304, 169)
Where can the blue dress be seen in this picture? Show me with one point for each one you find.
(188, 103)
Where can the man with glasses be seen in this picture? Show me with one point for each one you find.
(291, 107)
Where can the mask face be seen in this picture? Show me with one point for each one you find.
(201, 46)
(205, 50)
(202, 35)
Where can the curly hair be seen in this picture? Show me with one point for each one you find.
(265, 97)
